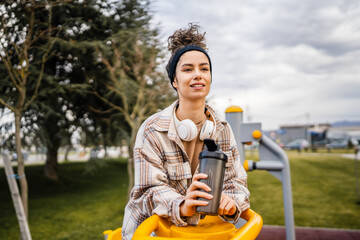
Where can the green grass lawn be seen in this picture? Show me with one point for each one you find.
(82, 206)
(324, 192)
(78, 207)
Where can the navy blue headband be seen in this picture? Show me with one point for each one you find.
(171, 66)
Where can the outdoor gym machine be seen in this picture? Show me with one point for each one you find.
(272, 158)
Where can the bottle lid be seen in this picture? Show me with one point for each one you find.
(212, 150)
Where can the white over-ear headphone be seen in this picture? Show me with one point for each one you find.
(187, 129)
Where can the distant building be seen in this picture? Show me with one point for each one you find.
(349, 134)
(318, 135)
(292, 132)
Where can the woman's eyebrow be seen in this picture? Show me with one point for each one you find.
(187, 64)
(205, 63)
(190, 64)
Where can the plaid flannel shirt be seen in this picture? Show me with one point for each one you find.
(163, 173)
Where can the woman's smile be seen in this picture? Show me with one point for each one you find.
(197, 86)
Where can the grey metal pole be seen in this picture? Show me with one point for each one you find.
(234, 116)
(19, 209)
(272, 158)
(270, 151)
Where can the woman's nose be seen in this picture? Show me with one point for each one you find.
(197, 74)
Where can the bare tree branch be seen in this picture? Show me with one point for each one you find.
(92, 109)
(138, 108)
(43, 61)
(29, 34)
(46, 31)
(15, 46)
(6, 105)
(120, 109)
(113, 77)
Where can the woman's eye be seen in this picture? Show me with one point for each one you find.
(187, 69)
(205, 69)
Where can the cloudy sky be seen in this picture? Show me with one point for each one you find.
(282, 61)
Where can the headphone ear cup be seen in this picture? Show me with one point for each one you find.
(206, 130)
(187, 130)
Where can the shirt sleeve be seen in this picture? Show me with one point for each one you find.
(152, 193)
(235, 181)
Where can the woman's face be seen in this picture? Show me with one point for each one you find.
(192, 77)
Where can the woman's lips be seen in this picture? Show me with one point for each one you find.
(197, 85)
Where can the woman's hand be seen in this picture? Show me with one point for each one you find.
(187, 207)
(227, 205)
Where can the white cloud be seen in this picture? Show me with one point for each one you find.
(282, 61)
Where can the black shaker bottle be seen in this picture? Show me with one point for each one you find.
(212, 163)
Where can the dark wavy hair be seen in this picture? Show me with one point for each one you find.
(186, 36)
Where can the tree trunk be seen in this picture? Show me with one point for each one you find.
(51, 166)
(67, 150)
(130, 165)
(21, 165)
(106, 154)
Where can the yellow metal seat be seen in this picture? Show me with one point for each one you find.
(209, 228)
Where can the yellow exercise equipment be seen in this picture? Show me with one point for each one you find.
(209, 228)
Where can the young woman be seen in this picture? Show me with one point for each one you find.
(169, 142)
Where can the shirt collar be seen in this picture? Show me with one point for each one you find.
(166, 123)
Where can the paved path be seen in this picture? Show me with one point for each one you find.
(305, 233)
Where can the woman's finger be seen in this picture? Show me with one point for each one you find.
(197, 194)
(227, 205)
(199, 185)
(231, 210)
(223, 203)
(199, 176)
(194, 203)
